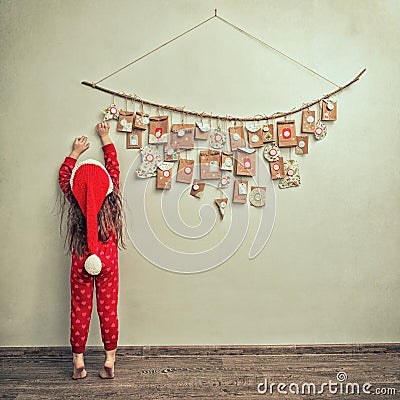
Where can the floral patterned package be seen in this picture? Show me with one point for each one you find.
(292, 175)
(151, 157)
(320, 131)
(218, 138)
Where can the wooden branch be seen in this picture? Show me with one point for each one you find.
(225, 118)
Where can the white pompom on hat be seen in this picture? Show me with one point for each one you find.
(90, 184)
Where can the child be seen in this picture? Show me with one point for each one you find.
(94, 233)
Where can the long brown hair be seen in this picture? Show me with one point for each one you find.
(109, 220)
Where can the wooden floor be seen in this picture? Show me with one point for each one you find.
(203, 372)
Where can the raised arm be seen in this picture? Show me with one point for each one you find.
(110, 153)
(80, 145)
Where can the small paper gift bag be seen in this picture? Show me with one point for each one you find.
(240, 191)
(171, 153)
(125, 121)
(141, 121)
(277, 169)
(226, 161)
(197, 188)
(329, 110)
(302, 145)
(268, 133)
(308, 121)
(255, 135)
(257, 196)
(209, 164)
(245, 162)
(134, 139)
(185, 171)
(292, 175)
(182, 136)
(287, 133)
(159, 129)
(237, 137)
(202, 130)
(164, 175)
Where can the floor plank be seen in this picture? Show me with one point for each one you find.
(201, 372)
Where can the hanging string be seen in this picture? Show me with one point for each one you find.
(273, 48)
(156, 49)
(231, 25)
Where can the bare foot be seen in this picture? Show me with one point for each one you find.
(108, 371)
(79, 366)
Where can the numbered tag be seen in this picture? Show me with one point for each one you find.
(214, 167)
(247, 163)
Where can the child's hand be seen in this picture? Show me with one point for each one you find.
(102, 129)
(80, 146)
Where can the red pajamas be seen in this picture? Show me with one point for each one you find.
(82, 283)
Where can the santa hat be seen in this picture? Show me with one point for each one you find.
(90, 184)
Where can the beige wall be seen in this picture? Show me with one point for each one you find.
(339, 279)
